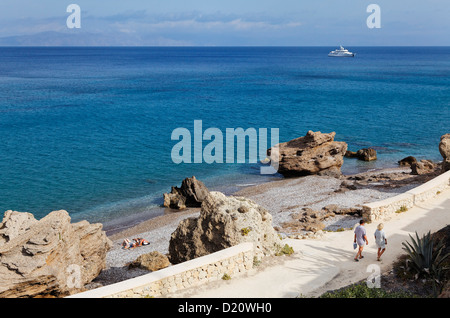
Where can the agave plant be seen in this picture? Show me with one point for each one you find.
(425, 258)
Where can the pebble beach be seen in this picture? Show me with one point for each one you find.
(282, 198)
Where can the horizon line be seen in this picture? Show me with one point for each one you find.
(204, 46)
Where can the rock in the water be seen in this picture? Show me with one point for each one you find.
(315, 153)
(49, 256)
(351, 154)
(223, 222)
(366, 154)
(191, 194)
(152, 261)
(444, 149)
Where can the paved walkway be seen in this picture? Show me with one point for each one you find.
(327, 264)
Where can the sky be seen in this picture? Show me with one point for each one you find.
(225, 23)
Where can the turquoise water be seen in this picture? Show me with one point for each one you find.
(89, 130)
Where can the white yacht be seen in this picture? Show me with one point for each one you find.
(341, 52)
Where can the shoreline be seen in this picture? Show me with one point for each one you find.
(122, 224)
(251, 191)
(282, 198)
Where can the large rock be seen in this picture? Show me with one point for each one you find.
(174, 200)
(191, 194)
(152, 261)
(315, 153)
(223, 222)
(50, 256)
(365, 154)
(444, 149)
(422, 167)
(407, 161)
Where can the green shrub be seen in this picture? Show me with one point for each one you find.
(425, 259)
(285, 250)
(245, 231)
(256, 261)
(402, 209)
(361, 290)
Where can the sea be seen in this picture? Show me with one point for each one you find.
(89, 129)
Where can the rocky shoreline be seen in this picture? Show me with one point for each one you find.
(286, 200)
(313, 198)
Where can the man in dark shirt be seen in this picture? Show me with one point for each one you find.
(360, 239)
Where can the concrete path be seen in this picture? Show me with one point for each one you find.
(327, 264)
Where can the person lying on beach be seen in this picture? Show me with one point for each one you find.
(360, 239)
(134, 243)
(380, 240)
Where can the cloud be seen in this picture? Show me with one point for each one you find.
(142, 21)
(143, 28)
(233, 23)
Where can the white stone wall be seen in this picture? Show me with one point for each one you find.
(383, 209)
(233, 261)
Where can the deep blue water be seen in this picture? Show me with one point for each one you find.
(89, 130)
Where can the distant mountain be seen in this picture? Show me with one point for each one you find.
(80, 38)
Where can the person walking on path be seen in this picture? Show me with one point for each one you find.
(360, 239)
(380, 240)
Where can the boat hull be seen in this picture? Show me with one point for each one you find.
(348, 55)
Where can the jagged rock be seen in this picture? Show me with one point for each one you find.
(306, 220)
(315, 153)
(347, 185)
(335, 209)
(366, 154)
(191, 194)
(312, 220)
(174, 200)
(49, 256)
(314, 226)
(350, 154)
(152, 261)
(223, 222)
(422, 167)
(444, 149)
(407, 161)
